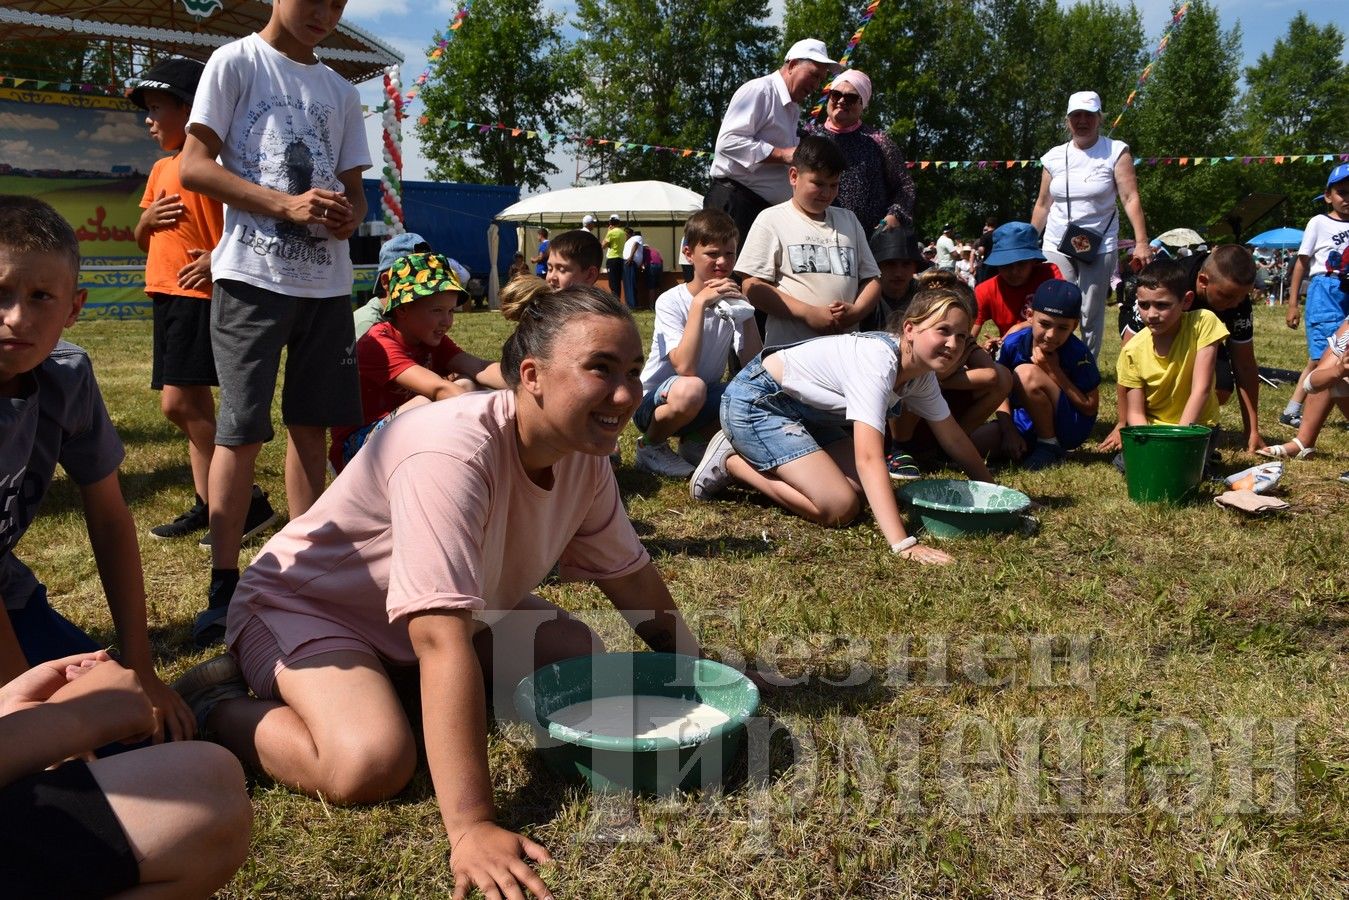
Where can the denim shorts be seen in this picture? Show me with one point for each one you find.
(770, 428)
(704, 421)
(1327, 306)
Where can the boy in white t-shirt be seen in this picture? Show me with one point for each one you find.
(1324, 258)
(290, 142)
(805, 263)
(697, 325)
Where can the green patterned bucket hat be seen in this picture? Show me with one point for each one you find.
(419, 275)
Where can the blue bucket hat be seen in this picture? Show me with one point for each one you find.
(401, 245)
(1014, 242)
(1338, 174)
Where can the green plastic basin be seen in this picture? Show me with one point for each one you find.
(645, 765)
(949, 507)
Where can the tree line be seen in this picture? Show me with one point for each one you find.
(954, 80)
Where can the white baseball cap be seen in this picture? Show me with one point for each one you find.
(1084, 101)
(588, 219)
(813, 50)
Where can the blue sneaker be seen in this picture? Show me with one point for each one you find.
(1044, 456)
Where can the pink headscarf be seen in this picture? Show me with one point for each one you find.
(859, 81)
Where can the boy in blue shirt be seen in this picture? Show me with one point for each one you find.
(1053, 405)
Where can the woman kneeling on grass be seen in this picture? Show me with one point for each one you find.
(426, 551)
(783, 418)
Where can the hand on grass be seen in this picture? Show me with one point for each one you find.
(1013, 444)
(492, 859)
(164, 211)
(196, 275)
(1111, 443)
(1254, 442)
(928, 556)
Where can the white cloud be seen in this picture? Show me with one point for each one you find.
(117, 128)
(25, 122)
(374, 10)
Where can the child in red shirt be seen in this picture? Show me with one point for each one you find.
(1005, 298)
(408, 358)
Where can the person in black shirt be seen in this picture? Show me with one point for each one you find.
(1220, 281)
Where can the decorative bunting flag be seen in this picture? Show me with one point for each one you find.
(846, 59)
(1176, 19)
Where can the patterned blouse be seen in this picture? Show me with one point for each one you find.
(877, 181)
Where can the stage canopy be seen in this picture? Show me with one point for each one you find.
(167, 27)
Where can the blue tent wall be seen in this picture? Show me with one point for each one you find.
(454, 218)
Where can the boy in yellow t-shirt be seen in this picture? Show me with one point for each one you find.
(1168, 370)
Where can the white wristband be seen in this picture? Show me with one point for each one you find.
(905, 544)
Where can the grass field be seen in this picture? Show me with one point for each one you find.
(1134, 701)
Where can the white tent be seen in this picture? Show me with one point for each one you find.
(640, 202)
(657, 207)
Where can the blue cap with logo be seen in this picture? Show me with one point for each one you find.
(1058, 298)
(1338, 174)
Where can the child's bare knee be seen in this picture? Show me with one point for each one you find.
(367, 772)
(687, 394)
(837, 511)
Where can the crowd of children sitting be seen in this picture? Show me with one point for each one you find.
(869, 368)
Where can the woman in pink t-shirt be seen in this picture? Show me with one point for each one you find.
(425, 551)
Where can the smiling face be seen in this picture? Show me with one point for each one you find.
(298, 26)
(812, 192)
(426, 320)
(166, 117)
(582, 397)
(1160, 310)
(39, 297)
(939, 342)
(845, 106)
(803, 78)
(1050, 332)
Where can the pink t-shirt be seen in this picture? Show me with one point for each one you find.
(436, 512)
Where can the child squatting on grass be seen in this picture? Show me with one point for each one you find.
(427, 551)
(697, 326)
(409, 359)
(1167, 371)
(784, 416)
(1054, 402)
(171, 816)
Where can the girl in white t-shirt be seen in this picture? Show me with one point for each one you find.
(426, 551)
(784, 416)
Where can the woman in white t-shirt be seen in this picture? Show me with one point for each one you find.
(426, 550)
(783, 418)
(1089, 174)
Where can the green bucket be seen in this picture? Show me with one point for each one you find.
(657, 765)
(1164, 463)
(949, 507)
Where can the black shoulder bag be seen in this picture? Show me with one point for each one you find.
(1081, 244)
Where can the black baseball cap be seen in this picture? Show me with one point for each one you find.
(176, 75)
(1058, 298)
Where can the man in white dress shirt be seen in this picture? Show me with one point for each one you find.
(759, 135)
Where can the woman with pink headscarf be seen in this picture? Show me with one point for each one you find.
(876, 186)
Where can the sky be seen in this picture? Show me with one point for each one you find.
(404, 24)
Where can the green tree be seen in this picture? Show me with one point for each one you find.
(1187, 109)
(508, 65)
(661, 73)
(1296, 102)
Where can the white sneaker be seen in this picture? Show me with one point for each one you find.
(691, 450)
(711, 477)
(659, 459)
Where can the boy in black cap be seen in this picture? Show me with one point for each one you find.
(899, 258)
(1055, 398)
(178, 230)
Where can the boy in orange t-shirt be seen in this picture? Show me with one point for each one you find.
(178, 229)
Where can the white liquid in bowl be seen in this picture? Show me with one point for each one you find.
(640, 716)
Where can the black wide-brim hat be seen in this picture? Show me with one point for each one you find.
(898, 243)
